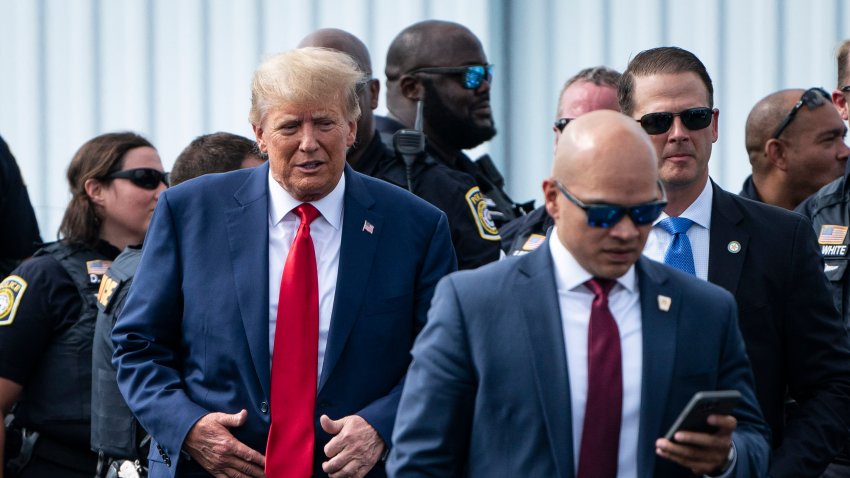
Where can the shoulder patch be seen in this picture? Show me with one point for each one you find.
(96, 269)
(533, 242)
(481, 213)
(108, 285)
(11, 290)
(832, 234)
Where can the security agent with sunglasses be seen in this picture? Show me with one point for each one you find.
(443, 65)
(47, 308)
(588, 90)
(584, 379)
(117, 437)
(766, 256)
(795, 142)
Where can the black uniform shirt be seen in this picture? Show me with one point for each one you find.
(46, 307)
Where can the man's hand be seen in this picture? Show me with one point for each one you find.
(354, 449)
(211, 444)
(702, 453)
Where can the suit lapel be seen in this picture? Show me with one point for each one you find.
(248, 240)
(356, 255)
(659, 351)
(725, 237)
(542, 319)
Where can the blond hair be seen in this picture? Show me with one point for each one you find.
(306, 77)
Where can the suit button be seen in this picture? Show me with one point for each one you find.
(264, 407)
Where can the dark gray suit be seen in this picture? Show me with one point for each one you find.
(488, 392)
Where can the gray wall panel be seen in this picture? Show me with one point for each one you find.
(173, 70)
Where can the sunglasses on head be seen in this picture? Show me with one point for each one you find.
(607, 215)
(693, 119)
(147, 178)
(562, 123)
(473, 75)
(811, 98)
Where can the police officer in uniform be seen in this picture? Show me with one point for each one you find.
(443, 66)
(588, 90)
(16, 214)
(116, 436)
(47, 308)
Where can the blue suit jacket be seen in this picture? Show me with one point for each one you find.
(488, 392)
(193, 337)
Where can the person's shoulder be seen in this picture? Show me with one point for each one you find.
(689, 285)
(394, 198)
(833, 193)
(759, 212)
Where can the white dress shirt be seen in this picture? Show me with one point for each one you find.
(700, 212)
(326, 232)
(575, 300)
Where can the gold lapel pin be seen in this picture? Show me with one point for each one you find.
(664, 303)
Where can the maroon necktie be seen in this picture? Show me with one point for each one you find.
(289, 452)
(600, 437)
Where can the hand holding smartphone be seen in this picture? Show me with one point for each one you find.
(695, 414)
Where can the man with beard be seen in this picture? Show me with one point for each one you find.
(442, 64)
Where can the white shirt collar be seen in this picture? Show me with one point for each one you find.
(569, 274)
(330, 206)
(700, 210)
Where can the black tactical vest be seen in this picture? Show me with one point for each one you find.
(56, 402)
(114, 429)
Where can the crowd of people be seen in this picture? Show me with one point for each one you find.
(351, 295)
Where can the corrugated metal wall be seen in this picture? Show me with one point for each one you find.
(174, 69)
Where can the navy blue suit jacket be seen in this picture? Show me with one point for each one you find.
(487, 393)
(194, 335)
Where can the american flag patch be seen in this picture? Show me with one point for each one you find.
(533, 242)
(97, 267)
(368, 227)
(832, 234)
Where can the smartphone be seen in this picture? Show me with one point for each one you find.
(694, 415)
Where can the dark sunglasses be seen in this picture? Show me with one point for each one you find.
(562, 123)
(607, 215)
(693, 119)
(812, 98)
(473, 75)
(146, 178)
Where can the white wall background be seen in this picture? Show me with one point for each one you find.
(174, 69)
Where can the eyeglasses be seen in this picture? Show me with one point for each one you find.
(693, 119)
(147, 178)
(473, 75)
(562, 123)
(607, 215)
(812, 98)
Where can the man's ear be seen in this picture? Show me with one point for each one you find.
(375, 91)
(777, 153)
(411, 88)
(258, 133)
(840, 103)
(550, 197)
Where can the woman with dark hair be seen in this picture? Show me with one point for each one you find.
(48, 308)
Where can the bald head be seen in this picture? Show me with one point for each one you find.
(343, 41)
(763, 120)
(604, 143)
(426, 43)
(604, 157)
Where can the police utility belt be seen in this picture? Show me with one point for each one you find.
(119, 468)
(23, 444)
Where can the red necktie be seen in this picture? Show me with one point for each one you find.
(289, 452)
(600, 437)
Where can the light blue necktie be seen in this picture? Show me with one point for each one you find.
(679, 254)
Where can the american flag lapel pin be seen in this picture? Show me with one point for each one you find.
(368, 227)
